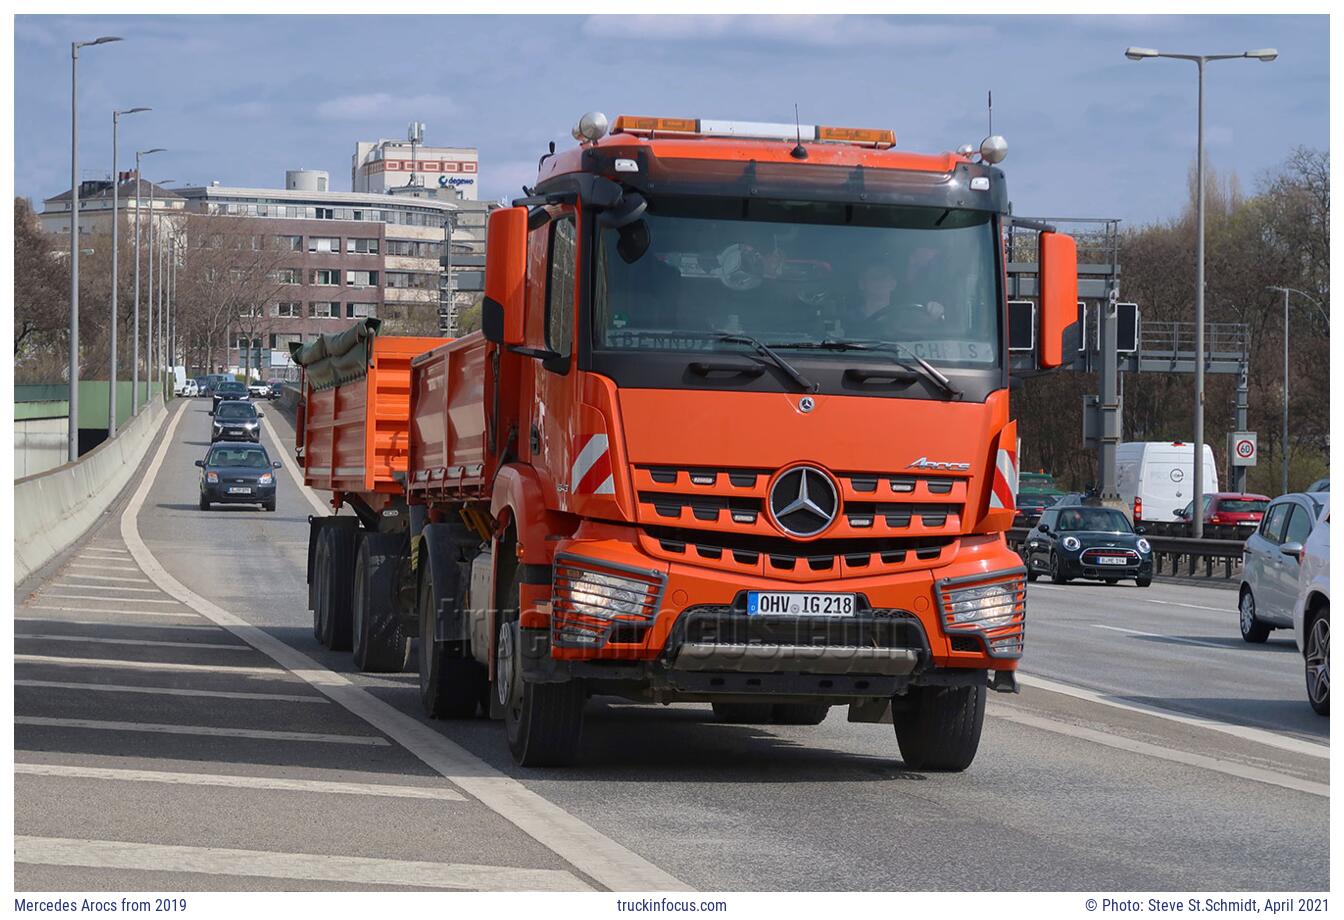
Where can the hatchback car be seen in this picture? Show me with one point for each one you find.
(228, 389)
(1087, 541)
(277, 388)
(1239, 508)
(1269, 566)
(1311, 612)
(235, 420)
(238, 474)
(190, 388)
(1031, 505)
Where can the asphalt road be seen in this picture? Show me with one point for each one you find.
(1149, 750)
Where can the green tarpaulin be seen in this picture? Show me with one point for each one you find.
(337, 358)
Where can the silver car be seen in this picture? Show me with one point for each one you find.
(1311, 613)
(1270, 564)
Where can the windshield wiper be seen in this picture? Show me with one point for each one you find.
(931, 373)
(767, 351)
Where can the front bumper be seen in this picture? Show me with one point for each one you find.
(219, 493)
(1073, 566)
(236, 434)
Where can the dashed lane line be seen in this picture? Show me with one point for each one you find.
(154, 857)
(62, 584)
(102, 567)
(63, 621)
(129, 613)
(115, 663)
(237, 781)
(1180, 639)
(575, 841)
(108, 600)
(172, 691)
(105, 578)
(1171, 755)
(99, 640)
(217, 731)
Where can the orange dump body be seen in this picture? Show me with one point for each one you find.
(448, 456)
(354, 436)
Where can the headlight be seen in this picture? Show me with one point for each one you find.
(587, 604)
(265, 479)
(1144, 546)
(982, 606)
(596, 594)
(1071, 544)
(212, 476)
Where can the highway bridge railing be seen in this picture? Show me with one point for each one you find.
(1178, 556)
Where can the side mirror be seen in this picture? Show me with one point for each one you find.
(1042, 528)
(1293, 549)
(1058, 294)
(505, 277)
(1140, 530)
(211, 412)
(260, 416)
(201, 464)
(275, 464)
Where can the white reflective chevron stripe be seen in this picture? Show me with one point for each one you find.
(1005, 481)
(608, 487)
(591, 453)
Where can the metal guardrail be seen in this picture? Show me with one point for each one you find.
(1172, 554)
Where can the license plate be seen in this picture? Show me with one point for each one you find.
(239, 490)
(794, 604)
(1112, 560)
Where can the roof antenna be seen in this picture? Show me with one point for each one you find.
(799, 152)
(990, 94)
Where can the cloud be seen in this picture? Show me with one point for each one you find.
(251, 108)
(816, 31)
(374, 105)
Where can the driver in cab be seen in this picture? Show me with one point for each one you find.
(888, 308)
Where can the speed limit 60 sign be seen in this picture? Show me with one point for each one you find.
(1244, 449)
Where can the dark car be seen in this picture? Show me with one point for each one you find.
(228, 389)
(277, 388)
(1032, 504)
(1240, 508)
(235, 420)
(238, 474)
(1085, 541)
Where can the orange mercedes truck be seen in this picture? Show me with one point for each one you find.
(735, 431)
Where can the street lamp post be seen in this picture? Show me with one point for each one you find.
(1139, 54)
(135, 332)
(1283, 444)
(72, 433)
(116, 281)
(149, 297)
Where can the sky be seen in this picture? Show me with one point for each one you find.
(240, 99)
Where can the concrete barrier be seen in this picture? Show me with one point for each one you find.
(55, 508)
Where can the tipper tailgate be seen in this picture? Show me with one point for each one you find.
(447, 453)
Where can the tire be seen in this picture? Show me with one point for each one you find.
(1032, 575)
(203, 504)
(1317, 660)
(1111, 581)
(1144, 582)
(940, 729)
(337, 553)
(270, 505)
(1253, 630)
(543, 722)
(1056, 571)
(744, 713)
(450, 686)
(381, 645)
(800, 713)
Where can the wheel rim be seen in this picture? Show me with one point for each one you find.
(504, 667)
(1318, 661)
(357, 615)
(1247, 612)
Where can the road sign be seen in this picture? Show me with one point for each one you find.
(1244, 450)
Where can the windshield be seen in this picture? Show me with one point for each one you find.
(247, 457)
(800, 272)
(1243, 505)
(1105, 520)
(236, 410)
(229, 387)
(1044, 499)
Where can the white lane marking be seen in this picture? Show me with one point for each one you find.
(1232, 610)
(66, 584)
(579, 844)
(130, 613)
(172, 691)
(1245, 732)
(1143, 748)
(105, 578)
(358, 870)
(120, 555)
(323, 508)
(146, 642)
(93, 663)
(103, 568)
(236, 781)
(1180, 639)
(206, 730)
(113, 623)
(109, 600)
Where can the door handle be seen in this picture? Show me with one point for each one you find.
(535, 440)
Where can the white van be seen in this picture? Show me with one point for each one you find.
(1156, 478)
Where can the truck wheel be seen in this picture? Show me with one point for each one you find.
(318, 589)
(744, 713)
(800, 713)
(1252, 629)
(380, 643)
(449, 685)
(940, 729)
(336, 553)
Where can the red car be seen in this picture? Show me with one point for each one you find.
(1230, 508)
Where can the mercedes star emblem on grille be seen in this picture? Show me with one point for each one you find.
(803, 501)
